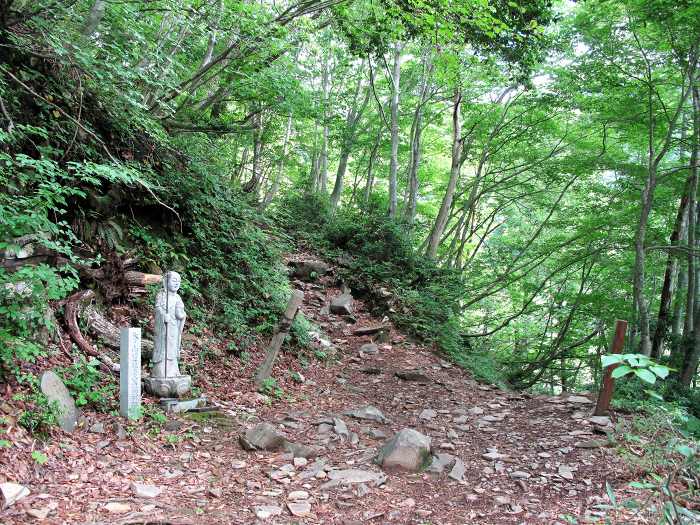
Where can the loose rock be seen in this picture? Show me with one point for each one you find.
(142, 490)
(54, 389)
(299, 509)
(407, 450)
(369, 413)
(262, 436)
(458, 471)
(341, 305)
(12, 493)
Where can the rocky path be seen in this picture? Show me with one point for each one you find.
(497, 457)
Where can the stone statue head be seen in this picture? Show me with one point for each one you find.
(172, 281)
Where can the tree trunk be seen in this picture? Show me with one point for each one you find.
(351, 121)
(254, 183)
(457, 141)
(692, 348)
(394, 160)
(410, 212)
(323, 162)
(370, 164)
(97, 11)
(280, 167)
(340, 175)
(669, 284)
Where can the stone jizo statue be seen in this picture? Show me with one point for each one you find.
(166, 380)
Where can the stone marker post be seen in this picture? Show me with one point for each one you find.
(608, 384)
(130, 373)
(280, 334)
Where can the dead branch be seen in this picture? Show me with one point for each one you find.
(71, 316)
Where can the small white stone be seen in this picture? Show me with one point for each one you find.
(299, 509)
(298, 495)
(117, 508)
(142, 490)
(13, 492)
(300, 462)
(264, 512)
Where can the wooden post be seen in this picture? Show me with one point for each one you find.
(608, 384)
(278, 337)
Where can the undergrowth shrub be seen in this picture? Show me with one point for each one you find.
(87, 384)
(425, 297)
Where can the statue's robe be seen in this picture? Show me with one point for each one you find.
(167, 341)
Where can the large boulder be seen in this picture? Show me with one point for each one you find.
(342, 304)
(407, 450)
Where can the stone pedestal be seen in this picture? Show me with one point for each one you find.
(130, 372)
(175, 386)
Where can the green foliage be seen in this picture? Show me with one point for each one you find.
(270, 388)
(155, 415)
(40, 414)
(39, 457)
(88, 385)
(640, 365)
(424, 297)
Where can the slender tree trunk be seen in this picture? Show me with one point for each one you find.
(692, 348)
(254, 183)
(370, 164)
(94, 17)
(670, 273)
(340, 175)
(677, 317)
(280, 167)
(446, 205)
(323, 163)
(351, 122)
(211, 44)
(394, 160)
(410, 212)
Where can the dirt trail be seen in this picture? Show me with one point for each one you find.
(525, 456)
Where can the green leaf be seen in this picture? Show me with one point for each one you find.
(611, 494)
(645, 375)
(642, 485)
(620, 371)
(653, 394)
(39, 457)
(612, 359)
(685, 450)
(660, 370)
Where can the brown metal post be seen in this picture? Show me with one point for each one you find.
(608, 384)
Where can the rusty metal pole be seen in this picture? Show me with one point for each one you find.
(608, 384)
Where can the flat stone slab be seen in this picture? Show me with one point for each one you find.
(369, 348)
(354, 475)
(369, 413)
(369, 330)
(55, 391)
(412, 375)
(299, 509)
(579, 400)
(308, 270)
(458, 470)
(440, 463)
(143, 490)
